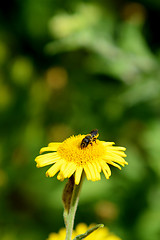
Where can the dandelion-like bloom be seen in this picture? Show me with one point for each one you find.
(68, 158)
(99, 234)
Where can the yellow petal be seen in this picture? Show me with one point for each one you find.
(78, 175)
(64, 165)
(94, 171)
(118, 148)
(98, 166)
(105, 173)
(97, 172)
(54, 145)
(108, 143)
(114, 164)
(105, 166)
(91, 169)
(69, 170)
(47, 159)
(81, 228)
(47, 149)
(115, 158)
(54, 169)
(120, 153)
(60, 176)
(88, 173)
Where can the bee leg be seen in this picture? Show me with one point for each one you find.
(82, 145)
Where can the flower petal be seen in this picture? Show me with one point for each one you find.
(105, 173)
(115, 165)
(46, 159)
(54, 145)
(120, 153)
(78, 174)
(115, 158)
(47, 149)
(87, 171)
(96, 170)
(98, 166)
(69, 170)
(54, 169)
(105, 167)
(119, 148)
(92, 171)
(107, 143)
(60, 176)
(81, 228)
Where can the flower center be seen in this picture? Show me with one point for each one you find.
(71, 151)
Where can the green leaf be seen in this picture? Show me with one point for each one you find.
(84, 235)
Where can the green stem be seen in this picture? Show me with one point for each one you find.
(72, 210)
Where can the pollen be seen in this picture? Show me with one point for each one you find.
(69, 158)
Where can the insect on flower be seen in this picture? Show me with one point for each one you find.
(67, 157)
(89, 138)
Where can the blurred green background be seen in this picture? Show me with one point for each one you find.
(67, 67)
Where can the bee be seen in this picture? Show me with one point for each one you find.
(89, 138)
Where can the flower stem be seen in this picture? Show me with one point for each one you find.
(72, 210)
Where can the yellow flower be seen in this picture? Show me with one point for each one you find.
(99, 234)
(68, 158)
